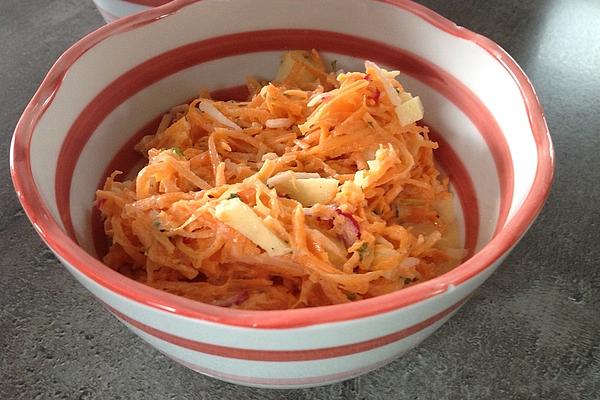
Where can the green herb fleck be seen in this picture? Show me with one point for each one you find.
(362, 251)
(407, 281)
(156, 224)
(370, 124)
(334, 65)
(233, 196)
(351, 296)
(177, 151)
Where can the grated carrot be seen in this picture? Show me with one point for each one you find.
(388, 225)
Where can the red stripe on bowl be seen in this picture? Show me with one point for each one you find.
(286, 355)
(49, 230)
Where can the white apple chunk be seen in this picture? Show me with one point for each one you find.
(239, 216)
(410, 111)
(307, 188)
(289, 60)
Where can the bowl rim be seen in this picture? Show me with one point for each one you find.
(70, 253)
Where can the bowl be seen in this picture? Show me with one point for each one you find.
(87, 113)
(111, 10)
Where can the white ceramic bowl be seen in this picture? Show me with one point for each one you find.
(494, 145)
(111, 10)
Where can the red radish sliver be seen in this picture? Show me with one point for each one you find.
(350, 228)
(242, 297)
(376, 95)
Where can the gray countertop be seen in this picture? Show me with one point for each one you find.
(532, 331)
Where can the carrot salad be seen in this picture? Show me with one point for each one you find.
(320, 189)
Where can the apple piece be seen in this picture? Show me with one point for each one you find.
(410, 111)
(312, 191)
(405, 96)
(289, 59)
(284, 178)
(239, 216)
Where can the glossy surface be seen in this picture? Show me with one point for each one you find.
(440, 348)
